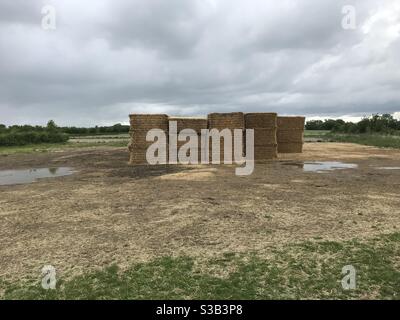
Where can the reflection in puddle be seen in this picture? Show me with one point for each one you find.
(321, 166)
(10, 177)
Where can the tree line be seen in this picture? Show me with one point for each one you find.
(377, 123)
(22, 135)
(115, 129)
(18, 135)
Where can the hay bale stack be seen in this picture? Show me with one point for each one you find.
(260, 120)
(213, 154)
(264, 137)
(265, 141)
(140, 124)
(221, 121)
(148, 121)
(188, 153)
(196, 124)
(291, 122)
(288, 147)
(268, 152)
(290, 134)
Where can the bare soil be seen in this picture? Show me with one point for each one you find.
(110, 212)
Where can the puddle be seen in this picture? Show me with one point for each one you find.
(388, 168)
(322, 166)
(10, 177)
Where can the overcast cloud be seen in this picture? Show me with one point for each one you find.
(108, 58)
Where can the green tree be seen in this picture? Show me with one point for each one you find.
(51, 125)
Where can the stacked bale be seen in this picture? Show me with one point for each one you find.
(196, 124)
(140, 125)
(221, 121)
(265, 140)
(290, 134)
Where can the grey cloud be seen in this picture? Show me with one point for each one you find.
(108, 58)
(170, 27)
(20, 11)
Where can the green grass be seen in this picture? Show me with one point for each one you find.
(101, 136)
(383, 141)
(309, 270)
(49, 147)
(315, 133)
(376, 140)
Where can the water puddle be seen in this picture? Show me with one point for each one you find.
(388, 168)
(10, 177)
(321, 166)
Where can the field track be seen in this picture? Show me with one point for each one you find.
(109, 212)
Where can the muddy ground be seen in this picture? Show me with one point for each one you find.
(110, 212)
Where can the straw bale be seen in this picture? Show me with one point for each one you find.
(138, 155)
(291, 123)
(234, 120)
(265, 152)
(290, 147)
(260, 120)
(195, 124)
(264, 136)
(290, 135)
(149, 121)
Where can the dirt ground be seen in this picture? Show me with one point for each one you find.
(109, 212)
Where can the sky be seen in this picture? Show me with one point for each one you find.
(94, 62)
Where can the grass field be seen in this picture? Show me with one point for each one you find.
(376, 140)
(306, 270)
(122, 140)
(383, 141)
(73, 143)
(103, 137)
(120, 232)
(315, 133)
(309, 269)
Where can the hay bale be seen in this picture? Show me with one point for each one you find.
(141, 124)
(290, 147)
(188, 153)
(196, 124)
(138, 133)
(140, 144)
(290, 135)
(291, 123)
(266, 152)
(264, 125)
(264, 136)
(138, 138)
(130, 146)
(221, 154)
(138, 155)
(260, 120)
(220, 121)
(148, 121)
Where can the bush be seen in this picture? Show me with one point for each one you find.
(383, 124)
(24, 138)
(19, 135)
(115, 129)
